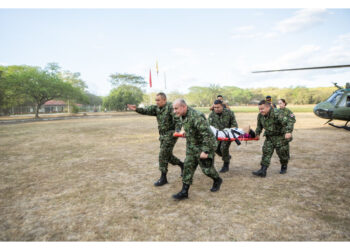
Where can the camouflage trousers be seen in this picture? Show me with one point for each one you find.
(191, 162)
(282, 149)
(223, 150)
(166, 156)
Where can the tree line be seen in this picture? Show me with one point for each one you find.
(130, 89)
(33, 86)
(205, 96)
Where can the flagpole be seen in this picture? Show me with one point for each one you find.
(164, 80)
(150, 86)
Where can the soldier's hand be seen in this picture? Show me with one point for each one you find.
(288, 135)
(131, 107)
(203, 155)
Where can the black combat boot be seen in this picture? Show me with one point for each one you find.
(216, 184)
(162, 180)
(283, 169)
(182, 168)
(225, 167)
(261, 172)
(183, 194)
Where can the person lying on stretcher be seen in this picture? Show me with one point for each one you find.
(233, 134)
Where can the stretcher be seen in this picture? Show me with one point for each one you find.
(229, 134)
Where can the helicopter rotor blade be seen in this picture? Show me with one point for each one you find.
(321, 67)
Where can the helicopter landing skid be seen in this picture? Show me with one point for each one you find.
(344, 127)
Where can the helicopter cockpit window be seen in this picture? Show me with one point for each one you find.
(334, 98)
(345, 102)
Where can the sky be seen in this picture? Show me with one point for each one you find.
(193, 46)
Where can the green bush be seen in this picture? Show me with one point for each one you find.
(75, 109)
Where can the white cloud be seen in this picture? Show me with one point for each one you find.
(297, 58)
(303, 19)
(338, 53)
(306, 56)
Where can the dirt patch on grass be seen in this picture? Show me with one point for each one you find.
(92, 180)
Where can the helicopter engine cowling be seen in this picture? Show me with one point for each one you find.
(323, 113)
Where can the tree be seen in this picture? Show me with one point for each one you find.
(118, 79)
(199, 96)
(301, 95)
(172, 96)
(41, 86)
(121, 96)
(93, 99)
(10, 93)
(73, 79)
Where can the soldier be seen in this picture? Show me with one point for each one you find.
(167, 121)
(221, 118)
(269, 100)
(288, 113)
(278, 132)
(200, 146)
(221, 98)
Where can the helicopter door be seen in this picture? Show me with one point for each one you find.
(342, 110)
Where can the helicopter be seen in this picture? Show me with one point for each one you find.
(336, 107)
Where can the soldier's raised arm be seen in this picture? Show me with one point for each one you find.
(149, 110)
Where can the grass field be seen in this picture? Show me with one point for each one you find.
(92, 180)
(253, 109)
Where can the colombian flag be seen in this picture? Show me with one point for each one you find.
(150, 79)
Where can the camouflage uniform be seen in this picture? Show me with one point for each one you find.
(221, 121)
(199, 138)
(289, 114)
(276, 125)
(167, 124)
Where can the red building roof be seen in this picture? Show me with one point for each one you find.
(54, 103)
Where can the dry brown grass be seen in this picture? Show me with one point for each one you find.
(88, 180)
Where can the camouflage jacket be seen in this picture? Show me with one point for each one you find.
(289, 114)
(198, 133)
(168, 122)
(275, 123)
(224, 120)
